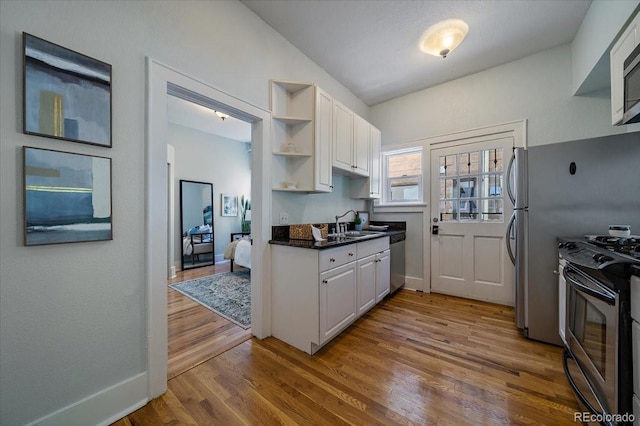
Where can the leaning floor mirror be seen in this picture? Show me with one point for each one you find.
(196, 221)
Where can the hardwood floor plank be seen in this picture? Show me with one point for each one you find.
(415, 359)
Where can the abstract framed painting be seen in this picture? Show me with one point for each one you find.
(66, 95)
(229, 205)
(67, 197)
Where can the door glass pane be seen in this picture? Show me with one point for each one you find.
(468, 163)
(468, 187)
(493, 159)
(491, 210)
(491, 185)
(469, 209)
(447, 188)
(448, 211)
(448, 165)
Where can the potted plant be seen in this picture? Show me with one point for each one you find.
(358, 222)
(245, 206)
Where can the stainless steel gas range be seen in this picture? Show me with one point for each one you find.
(598, 331)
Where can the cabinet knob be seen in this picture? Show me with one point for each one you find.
(331, 186)
(325, 282)
(332, 260)
(350, 254)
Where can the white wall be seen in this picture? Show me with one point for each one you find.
(225, 163)
(73, 317)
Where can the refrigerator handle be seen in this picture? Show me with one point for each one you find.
(507, 238)
(508, 176)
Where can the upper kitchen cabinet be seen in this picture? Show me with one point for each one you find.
(342, 137)
(361, 142)
(301, 137)
(369, 187)
(625, 44)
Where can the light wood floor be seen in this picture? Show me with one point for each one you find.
(416, 358)
(196, 334)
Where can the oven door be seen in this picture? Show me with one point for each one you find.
(592, 338)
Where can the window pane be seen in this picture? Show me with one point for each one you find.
(447, 188)
(408, 164)
(448, 165)
(468, 187)
(491, 185)
(468, 163)
(405, 193)
(493, 159)
(492, 210)
(448, 211)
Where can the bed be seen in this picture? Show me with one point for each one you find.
(239, 252)
(199, 240)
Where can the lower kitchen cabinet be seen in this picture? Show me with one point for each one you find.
(337, 300)
(315, 294)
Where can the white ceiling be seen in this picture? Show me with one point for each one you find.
(371, 46)
(189, 114)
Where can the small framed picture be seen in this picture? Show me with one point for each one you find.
(364, 217)
(67, 197)
(229, 205)
(66, 95)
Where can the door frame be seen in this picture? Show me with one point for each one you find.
(160, 78)
(515, 129)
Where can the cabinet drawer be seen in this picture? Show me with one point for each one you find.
(367, 248)
(337, 257)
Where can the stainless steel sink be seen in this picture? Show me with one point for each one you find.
(361, 234)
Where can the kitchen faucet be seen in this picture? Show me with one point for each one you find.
(343, 215)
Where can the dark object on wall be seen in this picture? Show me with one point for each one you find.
(67, 197)
(66, 95)
(572, 168)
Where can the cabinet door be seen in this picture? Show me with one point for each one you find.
(361, 136)
(383, 274)
(337, 300)
(366, 283)
(342, 136)
(619, 52)
(322, 152)
(374, 168)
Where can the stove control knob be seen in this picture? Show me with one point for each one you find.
(561, 245)
(604, 258)
(597, 257)
(570, 245)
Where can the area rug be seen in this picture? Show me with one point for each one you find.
(227, 294)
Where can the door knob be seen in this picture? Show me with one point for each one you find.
(435, 220)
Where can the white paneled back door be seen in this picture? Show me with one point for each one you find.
(469, 206)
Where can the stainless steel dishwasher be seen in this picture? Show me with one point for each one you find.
(397, 242)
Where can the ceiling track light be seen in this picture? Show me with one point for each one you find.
(222, 115)
(442, 38)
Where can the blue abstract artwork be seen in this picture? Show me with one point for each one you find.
(67, 95)
(67, 197)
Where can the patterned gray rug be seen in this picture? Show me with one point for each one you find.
(227, 294)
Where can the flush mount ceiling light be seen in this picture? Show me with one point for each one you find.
(222, 115)
(440, 39)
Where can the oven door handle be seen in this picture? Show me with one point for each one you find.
(565, 356)
(584, 289)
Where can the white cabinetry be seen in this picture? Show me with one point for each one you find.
(317, 293)
(342, 137)
(625, 44)
(369, 187)
(337, 300)
(361, 150)
(301, 137)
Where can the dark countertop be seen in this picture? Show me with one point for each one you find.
(331, 242)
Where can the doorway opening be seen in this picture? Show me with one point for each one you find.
(162, 82)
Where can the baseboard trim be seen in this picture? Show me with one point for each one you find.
(102, 408)
(220, 259)
(412, 283)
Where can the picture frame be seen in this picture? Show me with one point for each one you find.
(229, 205)
(66, 196)
(66, 95)
(364, 217)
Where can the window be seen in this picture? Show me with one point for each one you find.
(402, 176)
(471, 186)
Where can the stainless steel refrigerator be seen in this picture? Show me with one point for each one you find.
(516, 238)
(565, 189)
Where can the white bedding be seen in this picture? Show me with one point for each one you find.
(242, 255)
